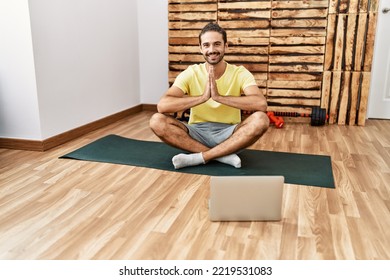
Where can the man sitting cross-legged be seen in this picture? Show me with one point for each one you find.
(216, 92)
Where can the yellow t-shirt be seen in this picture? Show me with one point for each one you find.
(192, 82)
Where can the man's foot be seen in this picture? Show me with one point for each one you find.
(184, 160)
(231, 159)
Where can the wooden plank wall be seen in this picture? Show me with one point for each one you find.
(303, 53)
(186, 19)
(296, 55)
(348, 59)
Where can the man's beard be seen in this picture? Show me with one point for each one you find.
(214, 62)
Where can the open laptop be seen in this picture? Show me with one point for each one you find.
(246, 198)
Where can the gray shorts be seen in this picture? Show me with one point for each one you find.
(210, 134)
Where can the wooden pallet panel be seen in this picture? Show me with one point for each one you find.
(297, 49)
(186, 19)
(353, 6)
(302, 53)
(347, 42)
(350, 46)
(345, 95)
(247, 24)
(349, 51)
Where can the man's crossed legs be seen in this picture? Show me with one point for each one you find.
(177, 134)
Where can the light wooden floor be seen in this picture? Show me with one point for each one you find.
(54, 208)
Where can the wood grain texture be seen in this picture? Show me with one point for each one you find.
(289, 38)
(54, 208)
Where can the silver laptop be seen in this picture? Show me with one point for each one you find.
(246, 198)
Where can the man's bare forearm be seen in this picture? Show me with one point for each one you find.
(172, 104)
(245, 102)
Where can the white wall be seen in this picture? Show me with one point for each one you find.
(19, 114)
(379, 96)
(153, 49)
(66, 63)
(86, 58)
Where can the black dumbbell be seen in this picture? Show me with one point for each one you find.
(318, 115)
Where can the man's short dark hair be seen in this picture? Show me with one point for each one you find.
(212, 26)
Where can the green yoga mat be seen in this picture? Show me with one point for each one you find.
(300, 169)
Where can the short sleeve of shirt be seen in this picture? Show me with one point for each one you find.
(246, 78)
(183, 80)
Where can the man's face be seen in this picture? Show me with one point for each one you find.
(212, 47)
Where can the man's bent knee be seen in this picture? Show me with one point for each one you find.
(162, 124)
(262, 119)
(259, 122)
(157, 123)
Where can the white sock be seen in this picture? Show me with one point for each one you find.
(184, 160)
(231, 159)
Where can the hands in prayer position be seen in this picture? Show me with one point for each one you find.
(211, 89)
